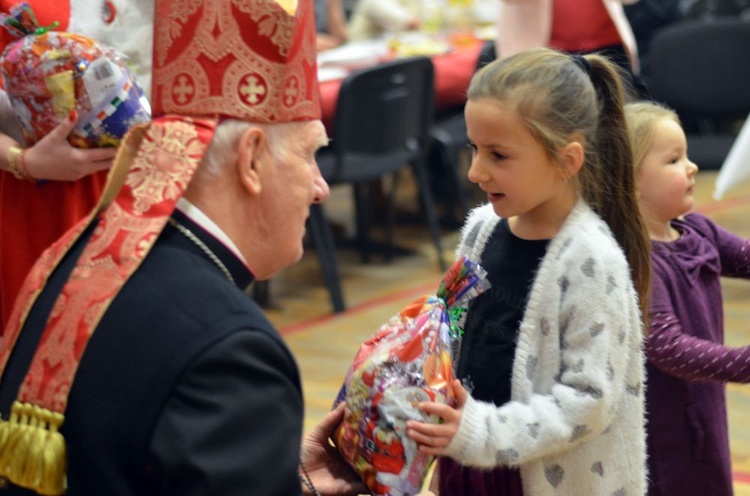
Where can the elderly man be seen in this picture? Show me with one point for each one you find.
(134, 363)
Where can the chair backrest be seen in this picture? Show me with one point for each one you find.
(702, 9)
(385, 108)
(703, 67)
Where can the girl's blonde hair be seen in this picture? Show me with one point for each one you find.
(562, 99)
(641, 118)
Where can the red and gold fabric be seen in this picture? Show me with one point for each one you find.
(154, 165)
(48, 74)
(25, 206)
(230, 49)
(244, 59)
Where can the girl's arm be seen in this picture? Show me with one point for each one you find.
(601, 370)
(691, 358)
(735, 254)
(734, 251)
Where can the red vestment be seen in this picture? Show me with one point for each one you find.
(34, 215)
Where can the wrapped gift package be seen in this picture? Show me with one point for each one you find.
(406, 362)
(49, 74)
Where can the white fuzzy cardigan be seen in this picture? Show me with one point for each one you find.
(575, 423)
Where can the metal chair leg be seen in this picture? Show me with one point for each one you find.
(429, 209)
(320, 231)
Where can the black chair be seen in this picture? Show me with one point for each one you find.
(705, 9)
(701, 68)
(381, 124)
(448, 135)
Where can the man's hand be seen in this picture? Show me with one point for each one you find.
(53, 158)
(329, 473)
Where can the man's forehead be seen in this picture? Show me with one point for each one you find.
(315, 133)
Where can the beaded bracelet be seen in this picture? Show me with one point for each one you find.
(17, 163)
(307, 481)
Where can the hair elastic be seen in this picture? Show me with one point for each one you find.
(581, 62)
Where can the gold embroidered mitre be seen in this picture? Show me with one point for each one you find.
(251, 60)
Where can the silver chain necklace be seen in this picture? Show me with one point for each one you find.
(200, 244)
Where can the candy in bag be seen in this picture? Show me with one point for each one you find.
(48, 74)
(407, 361)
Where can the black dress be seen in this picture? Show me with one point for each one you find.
(485, 362)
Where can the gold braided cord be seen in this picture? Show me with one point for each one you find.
(32, 450)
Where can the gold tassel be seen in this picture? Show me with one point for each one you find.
(54, 467)
(21, 447)
(18, 422)
(34, 455)
(32, 472)
(5, 431)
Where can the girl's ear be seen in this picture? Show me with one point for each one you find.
(637, 182)
(250, 154)
(573, 157)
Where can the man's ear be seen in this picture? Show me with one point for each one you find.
(250, 152)
(573, 156)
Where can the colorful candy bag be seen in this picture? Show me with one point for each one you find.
(48, 74)
(407, 361)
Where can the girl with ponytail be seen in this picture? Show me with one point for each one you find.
(550, 366)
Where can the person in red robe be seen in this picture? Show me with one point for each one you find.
(59, 184)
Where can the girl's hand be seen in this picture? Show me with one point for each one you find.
(53, 158)
(433, 439)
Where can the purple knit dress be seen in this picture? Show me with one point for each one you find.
(688, 442)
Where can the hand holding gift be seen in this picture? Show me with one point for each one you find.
(406, 363)
(48, 75)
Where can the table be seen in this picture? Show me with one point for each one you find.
(453, 72)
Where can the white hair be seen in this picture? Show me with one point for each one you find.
(223, 147)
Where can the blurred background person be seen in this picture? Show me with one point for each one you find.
(330, 24)
(62, 183)
(372, 18)
(573, 26)
(646, 18)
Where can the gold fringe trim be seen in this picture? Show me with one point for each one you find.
(32, 451)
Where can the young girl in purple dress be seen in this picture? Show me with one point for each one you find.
(688, 364)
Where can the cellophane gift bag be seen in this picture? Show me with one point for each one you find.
(47, 74)
(407, 361)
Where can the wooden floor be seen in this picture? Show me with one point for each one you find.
(325, 344)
